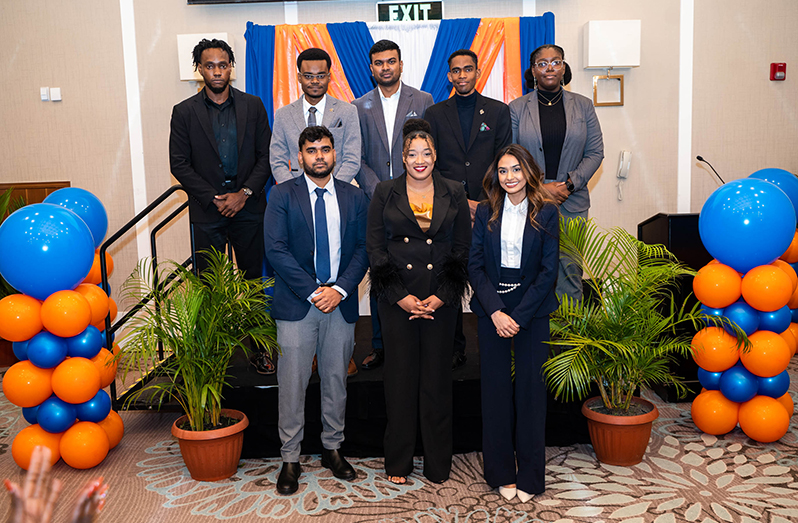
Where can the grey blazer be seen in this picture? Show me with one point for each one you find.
(582, 150)
(376, 165)
(339, 117)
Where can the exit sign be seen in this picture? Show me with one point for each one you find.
(409, 11)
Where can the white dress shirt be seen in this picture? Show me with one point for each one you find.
(333, 228)
(389, 107)
(319, 110)
(514, 218)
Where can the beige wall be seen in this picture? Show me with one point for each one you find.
(741, 121)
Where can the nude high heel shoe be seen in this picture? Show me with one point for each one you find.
(507, 493)
(523, 496)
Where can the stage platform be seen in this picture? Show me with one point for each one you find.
(256, 395)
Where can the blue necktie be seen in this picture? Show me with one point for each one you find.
(322, 240)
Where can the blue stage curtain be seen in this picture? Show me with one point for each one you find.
(352, 41)
(535, 31)
(452, 35)
(260, 64)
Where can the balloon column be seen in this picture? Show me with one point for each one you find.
(749, 227)
(55, 322)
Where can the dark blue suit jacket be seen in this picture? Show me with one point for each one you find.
(539, 262)
(290, 243)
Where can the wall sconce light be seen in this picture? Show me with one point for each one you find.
(610, 44)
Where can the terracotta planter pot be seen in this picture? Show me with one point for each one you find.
(211, 455)
(619, 440)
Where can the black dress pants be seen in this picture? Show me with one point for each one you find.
(244, 231)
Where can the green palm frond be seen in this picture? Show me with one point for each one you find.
(201, 321)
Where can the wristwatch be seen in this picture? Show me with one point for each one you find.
(569, 185)
(248, 191)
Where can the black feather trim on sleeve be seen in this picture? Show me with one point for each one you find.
(452, 281)
(383, 279)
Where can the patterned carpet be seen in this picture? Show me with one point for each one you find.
(685, 476)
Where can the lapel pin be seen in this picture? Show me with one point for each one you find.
(482, 111)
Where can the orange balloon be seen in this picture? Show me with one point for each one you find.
(26, 385)
(791, 254)
(789, 271)
(792, 343)
(66, 313)
(112, 310)
(768, 356)
(95, 276)
(114, 428)
(76, 380)
(713, 413)
(20, 317)
(766, 288)
(794, 330)
(793, 301)
(787, 402)
(106, 366)
(31, 437)
(717, 285)
(764, 419)
(84, 445)
(98, 301)
(714, 349)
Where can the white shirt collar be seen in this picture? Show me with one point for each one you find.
(520, 209)
(394, 96)
(319, 108)
(330, 186)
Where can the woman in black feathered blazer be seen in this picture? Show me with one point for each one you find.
(419, 278)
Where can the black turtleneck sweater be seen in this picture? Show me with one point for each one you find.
(465, 111)
(552, 129)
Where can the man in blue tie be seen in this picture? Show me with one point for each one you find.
(315, 237)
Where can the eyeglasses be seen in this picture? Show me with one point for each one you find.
(555, 64)
(311, 77)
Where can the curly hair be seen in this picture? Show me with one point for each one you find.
(211, 44)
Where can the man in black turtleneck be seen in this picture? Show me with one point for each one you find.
(469, 130)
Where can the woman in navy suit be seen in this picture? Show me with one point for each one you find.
(513, 271)
(419, 232)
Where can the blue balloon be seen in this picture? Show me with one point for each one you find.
(20, 349)
(56, 415)
(794, 314)
(87, 206)
(46, 350)
(784, 180)
(96, 409)
(52, 250)
(777, 321)
(86, 344)
(776, 386)
(738, 384)
(113, 338)
(709, 380)
(709, 311)
(29, 413)
(745, 316)
(747, 223)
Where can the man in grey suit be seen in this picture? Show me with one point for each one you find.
(315, 107)
(382, 112)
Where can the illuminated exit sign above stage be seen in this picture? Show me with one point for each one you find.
(409, 11)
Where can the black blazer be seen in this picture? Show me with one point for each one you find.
(539, 265)
(194, 158)
(467, 163)
(406, 260)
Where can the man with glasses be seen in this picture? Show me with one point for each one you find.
(315, 107)
(469, 130)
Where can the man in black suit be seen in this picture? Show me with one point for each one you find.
(469, 130)
(219, 152)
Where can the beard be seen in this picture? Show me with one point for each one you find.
(217, 90)
(323, 173)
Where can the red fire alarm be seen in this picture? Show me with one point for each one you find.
(778, 71)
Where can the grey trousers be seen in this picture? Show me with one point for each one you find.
(569, 275)
(332, 339)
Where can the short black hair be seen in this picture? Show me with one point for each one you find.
(534, 56)
(211, 44)
(463, 52)
(382, 46)
(313, 54)
(314, 133)
(416, 124)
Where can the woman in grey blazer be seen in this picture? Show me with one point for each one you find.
(561, 131)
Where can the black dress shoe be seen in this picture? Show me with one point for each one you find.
(341, 469)
(458, 360)
(288, 480)
(373, 360)
(263, 363)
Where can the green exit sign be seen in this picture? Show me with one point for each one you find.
(409, 11)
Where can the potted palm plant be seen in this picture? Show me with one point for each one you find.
(201, 322)
(622, 337)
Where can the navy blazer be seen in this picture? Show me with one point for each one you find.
(539, 262)
(288, 232)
